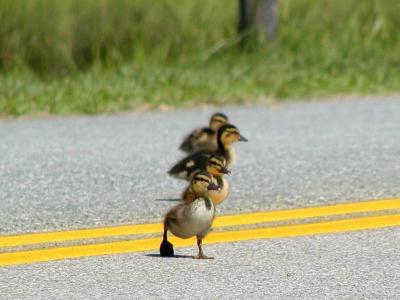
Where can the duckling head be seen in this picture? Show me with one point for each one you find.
(217, 120)
(216, 165)
(202, 183)
(229, 134)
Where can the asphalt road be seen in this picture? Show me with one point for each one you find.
(107, 170)
(67, 173)
(358, 265)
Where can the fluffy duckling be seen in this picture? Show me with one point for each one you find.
(204, 138)
(192, 217)
(227, 135)
(216, 167)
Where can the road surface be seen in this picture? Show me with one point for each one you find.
(89, 172)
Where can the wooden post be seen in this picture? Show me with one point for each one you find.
(260, 15)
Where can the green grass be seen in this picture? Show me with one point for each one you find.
(72, 57)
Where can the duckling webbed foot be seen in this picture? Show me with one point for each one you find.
(166, 249)
(202, 256)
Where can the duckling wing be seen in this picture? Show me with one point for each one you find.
(188, 166)
(193, 141)
(188, 195)
(172, 215)
(187, 144)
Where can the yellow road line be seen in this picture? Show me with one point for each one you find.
(60, 236)
(26, 257)
(308, 212)
(223, 221)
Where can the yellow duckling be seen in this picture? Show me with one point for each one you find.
(227, 135)
(216, 167)
(204, 138)
(192, 217)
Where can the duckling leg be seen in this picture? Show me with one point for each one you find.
(201, 254)
(166, 248)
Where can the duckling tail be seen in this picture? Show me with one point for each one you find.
(186, 145)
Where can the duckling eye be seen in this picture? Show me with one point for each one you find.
(202, 180)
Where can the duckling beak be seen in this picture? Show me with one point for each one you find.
(242, 139)
(212, 187)
(225, 170)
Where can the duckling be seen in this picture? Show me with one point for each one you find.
(227, 135)
(192, 217)
(217, 170)
(216, 167)
(204, 138)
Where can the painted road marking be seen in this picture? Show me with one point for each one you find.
(43, 255)
(223, 221)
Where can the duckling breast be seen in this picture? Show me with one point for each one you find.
(197, 217)
(220, 195)
(230, 157)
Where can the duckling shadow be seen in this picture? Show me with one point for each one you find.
(175, 256)
(168, 199)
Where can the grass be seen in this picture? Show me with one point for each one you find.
(72, 57)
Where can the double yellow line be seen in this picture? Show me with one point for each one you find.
(136, 245)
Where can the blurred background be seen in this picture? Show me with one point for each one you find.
(87, 56)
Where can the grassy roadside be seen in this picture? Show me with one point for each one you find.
(130, 86)
(350, 48)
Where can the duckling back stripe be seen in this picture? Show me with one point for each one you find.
(219, 119)
(43, 255)
(223, 221)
